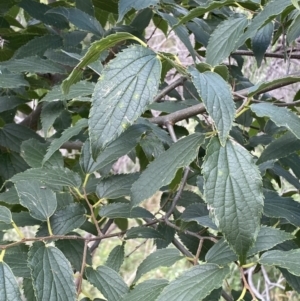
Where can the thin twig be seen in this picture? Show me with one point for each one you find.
(103, 231)
(247, 285)
(82, 268)
(198, 252)
(169, 88)
(136, 248)
(267, 54)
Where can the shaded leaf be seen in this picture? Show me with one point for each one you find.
(16, 258)
(9, 286)
(126, 5)
(127, 85)
(261, 87)
(293, 281)
(34, 151)
(32, 64)
(12, 135)
(261, 42)
(195, 284)
(55, 176)
(162, 170)
(281, 207)
(143, 232)
(285, 259)
(198, 213)
(271, 10)
(180, 31)
(93, 54)
(116, 258)
(82, 88)
(5, 215)
(108, 282)
(116, 149)
(149, 290)
(39, 200)
(10, 196)
(80, 19)
(65, 136)
(65, 220)
(121, 210)
(116, 186)
(279, 148)
(28, 289)
(267, 238)
(293, 31)
(49, 265)
(73, 250)
(10, 102)
(235, 197)
(10, 81)
(217, 98)
(224, 38)
(163, 257)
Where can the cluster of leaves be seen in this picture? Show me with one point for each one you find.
(79, 75)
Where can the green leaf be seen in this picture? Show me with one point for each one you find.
(195, 284)
(271, 10)
(73, 250)
(38, 11)
(32, 64)
(5, 215)
(292, 280)
(280, 116)
(80, 19)
(199, 214)
(10, 164)
(33, 153)
(235, 198)
(108, 282)
(28, 289)
(201, 10)
(55, 176)
(217, 98)
(10, 81)
(116, 186)
(93, 54)
(294, 31)
(39, 200)
(10, 102)
(116, 149)
(180, 31)
(49, 266)
(12, 135)
(224, 38)
(121, 210)
(143, 232)
(38, 46)
(65, 220)
(281, 207)
(261, 42)
(50, 111)
(280, 148)
(261, 87)
(163, 257)
(10, 196)
(9, 286)
(65, 136)
(116, 258)
(86, 6)
(127, 85)
(162, 170)
(285, 259)
(149, 290)
(82, 88)
(267, 238)
(126, 5)
(16, 258)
